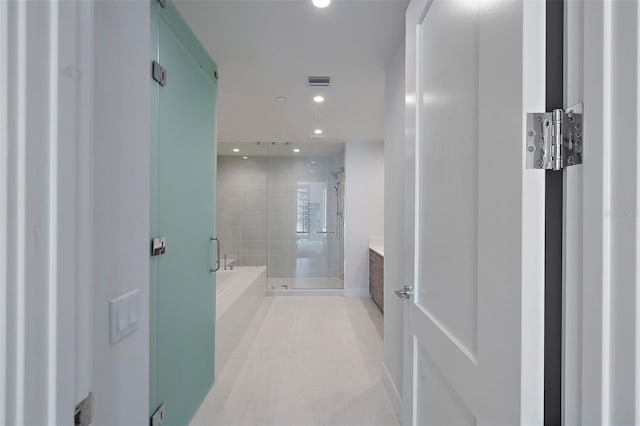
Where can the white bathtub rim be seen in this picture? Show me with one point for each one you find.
(232, 290)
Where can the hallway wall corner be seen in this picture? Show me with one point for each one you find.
(121, 207)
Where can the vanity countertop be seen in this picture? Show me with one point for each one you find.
(377, 248)
(377, 244)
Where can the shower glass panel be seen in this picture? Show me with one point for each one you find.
(283, 209)
(305, 249)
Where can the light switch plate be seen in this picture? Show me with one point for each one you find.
(123, 316)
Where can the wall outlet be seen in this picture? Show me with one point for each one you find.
(158, 416)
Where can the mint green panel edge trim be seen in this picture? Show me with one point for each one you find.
(153, 206)
(172, 17)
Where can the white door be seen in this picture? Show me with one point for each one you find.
(602, 204)
(474, 352)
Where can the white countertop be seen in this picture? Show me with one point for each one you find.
(377, 244)
(378, 249)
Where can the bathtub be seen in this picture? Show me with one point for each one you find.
(239, 294)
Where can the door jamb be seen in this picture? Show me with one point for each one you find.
(554, 184)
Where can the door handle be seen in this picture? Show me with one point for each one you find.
(406, 293)
(211, 270)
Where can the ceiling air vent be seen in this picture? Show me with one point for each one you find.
(318, 81)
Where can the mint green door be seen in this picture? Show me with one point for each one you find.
(183, 179)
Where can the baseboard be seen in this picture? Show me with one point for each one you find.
(356, 292)
(347, 292)
(392, 391)
(306, 292)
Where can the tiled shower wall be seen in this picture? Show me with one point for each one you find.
(282, 216)
(256, 214)
(241, 209)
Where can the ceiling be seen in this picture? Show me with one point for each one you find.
(280, 149)
(266, 48)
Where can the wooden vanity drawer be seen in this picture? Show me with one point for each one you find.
(376, 278)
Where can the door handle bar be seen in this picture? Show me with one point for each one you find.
(217, 268)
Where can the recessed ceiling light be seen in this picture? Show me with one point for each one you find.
(245, 157)
(318, 131)
(321, 3)
(236, 150)
(296, 150)
(281, 99)
(318, 99)
(313, 162)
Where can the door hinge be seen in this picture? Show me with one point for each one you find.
(554, 139)
(159, 74)
(158, 246)
(158, 416)
(84, 412)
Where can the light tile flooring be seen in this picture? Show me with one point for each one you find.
(304, 360)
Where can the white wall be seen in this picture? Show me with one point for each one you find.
(394, 224)
(364, 211)
(121, 207)
(45, 139)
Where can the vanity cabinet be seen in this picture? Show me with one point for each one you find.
(376, 278)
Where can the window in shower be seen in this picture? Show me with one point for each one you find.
(312, 218)
(303, 219)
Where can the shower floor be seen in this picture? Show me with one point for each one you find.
(303, 283)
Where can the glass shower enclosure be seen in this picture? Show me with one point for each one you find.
(281, 205)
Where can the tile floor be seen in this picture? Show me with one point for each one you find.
(304, 360)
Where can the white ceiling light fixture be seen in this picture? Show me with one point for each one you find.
(318, 131)
(245, 157)
(280, 99)
(318, 99)
(236, 150)
(296, 150)
(321, 3)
